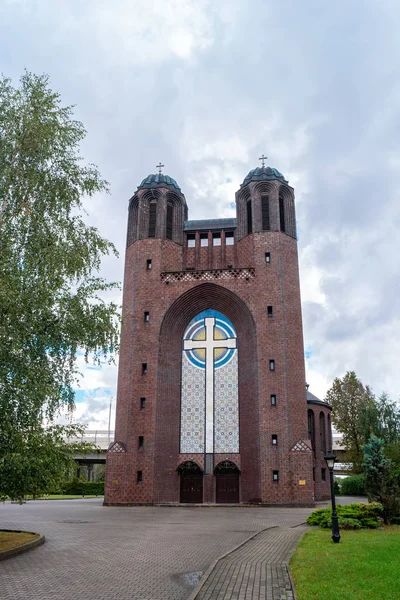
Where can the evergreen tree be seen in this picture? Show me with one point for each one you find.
(380, 481)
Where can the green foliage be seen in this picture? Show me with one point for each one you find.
(337, 488)
(353, 486)
(349, 398)
(351, 516)
(50, 304)
(380, 481)
(84, 488)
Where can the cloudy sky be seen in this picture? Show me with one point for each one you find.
(207, 86)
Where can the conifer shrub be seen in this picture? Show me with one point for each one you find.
(351, 516)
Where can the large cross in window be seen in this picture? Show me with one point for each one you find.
(209, 344)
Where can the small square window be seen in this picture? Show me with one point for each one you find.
(139, 477)
(323, 474)
(273, 400)
(216, 239)
(275, 476)
(274, 439)
(229, 238)
(142, 403)
(148, 263)
(191, 240)
(268, 257)
(141, 441)
(147, 317)
(272, 365)
(269, 311)
(144, 368)
(203, 239)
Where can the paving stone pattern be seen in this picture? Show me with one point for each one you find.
(257, 570)
(140, 553)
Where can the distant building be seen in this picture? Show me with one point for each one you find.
(212, 404)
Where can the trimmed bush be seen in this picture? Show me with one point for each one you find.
(366, 515)
(353, 486)
(83, 488)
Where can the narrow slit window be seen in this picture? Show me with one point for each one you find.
(269, 311)
(273, 399)
(139, 477)
(274, 439)
(272, 364)
(142, 403)
(249, 217)
(323, 474)
(216, 239)
(265, 213)
(203, 239)
(229, 239)
(268, 257)
(141, 441)
(152, 219)
(146, 317)
(148, 264)
(191, 240)
(170, 215)
(275, 476)
(144, 368)
(282, 213)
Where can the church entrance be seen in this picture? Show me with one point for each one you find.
(191, 483)
(226, 483)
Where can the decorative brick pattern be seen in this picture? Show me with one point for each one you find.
(209, 275)
(301, 446)
(117, 448)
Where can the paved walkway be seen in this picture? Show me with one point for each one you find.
(257, 570)
(149, 553)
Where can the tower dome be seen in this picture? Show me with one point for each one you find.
(263, 174)
(159, 180)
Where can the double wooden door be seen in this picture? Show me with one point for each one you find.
(227, 488)
(191, 487)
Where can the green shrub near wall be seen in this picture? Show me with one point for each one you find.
(351, 516)
(353, 486)
(83, 488)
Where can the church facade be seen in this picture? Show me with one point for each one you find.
(212, 405)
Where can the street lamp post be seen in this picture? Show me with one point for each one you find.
(330, 461)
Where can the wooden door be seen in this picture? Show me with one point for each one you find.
(227, 488)
(191, 487)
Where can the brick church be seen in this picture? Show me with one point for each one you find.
(212, 405)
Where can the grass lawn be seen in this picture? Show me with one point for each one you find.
(12, 539)
(363, 566)
(66, 497)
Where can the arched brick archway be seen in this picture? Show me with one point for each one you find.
(167, 406)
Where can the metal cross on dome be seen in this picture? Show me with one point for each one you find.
(159, 167)
(263, 158)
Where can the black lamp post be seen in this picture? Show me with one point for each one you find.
(330, 461)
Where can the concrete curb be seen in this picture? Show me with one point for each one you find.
(24, 547)
(207, 574)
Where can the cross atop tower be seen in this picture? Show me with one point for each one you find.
(159, 167)
(263, 159)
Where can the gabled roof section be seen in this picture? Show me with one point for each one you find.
(210, 224)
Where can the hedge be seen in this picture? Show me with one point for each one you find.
(353, 486)
(351, 516)
(83, 488)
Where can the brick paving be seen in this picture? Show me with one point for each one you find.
(151, 553)
(140, 553)
(257, 570)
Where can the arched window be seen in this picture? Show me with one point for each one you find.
(249, 217)
(322, 432)
(152, 219)
(311, 428)
(282, 213)
(170, 215)
(265, 212)
(329, 433)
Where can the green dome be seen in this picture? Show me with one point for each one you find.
(159, 180)
(262, 174)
